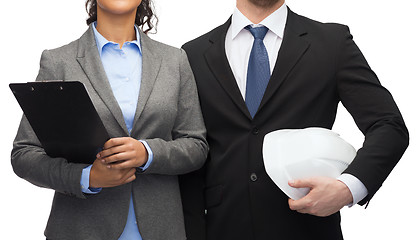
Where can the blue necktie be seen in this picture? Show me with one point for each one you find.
(258, 72)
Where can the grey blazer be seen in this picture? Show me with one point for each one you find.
(168, 117)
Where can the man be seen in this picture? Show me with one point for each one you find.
(283, 71)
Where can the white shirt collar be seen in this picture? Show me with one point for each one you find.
(275, 22)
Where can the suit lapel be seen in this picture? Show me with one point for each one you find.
(220, 67)
(89, 59)
(291, 51)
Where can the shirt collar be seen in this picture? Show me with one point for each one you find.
(102, 41)
(275, 22)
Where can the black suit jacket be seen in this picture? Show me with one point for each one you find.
(318, 66)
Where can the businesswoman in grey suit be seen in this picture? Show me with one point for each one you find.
(145, 94)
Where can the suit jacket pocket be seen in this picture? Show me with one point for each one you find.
(213, 196)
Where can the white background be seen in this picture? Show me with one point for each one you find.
(384, 30)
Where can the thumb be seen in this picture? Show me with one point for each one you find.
(302, 183)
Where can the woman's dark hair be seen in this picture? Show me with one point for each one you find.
(144, 15)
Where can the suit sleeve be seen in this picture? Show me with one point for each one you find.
(376, 115)
(188, 148)
(29, 159)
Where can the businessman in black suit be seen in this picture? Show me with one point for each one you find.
(302, 70)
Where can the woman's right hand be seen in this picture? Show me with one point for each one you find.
(101, 176)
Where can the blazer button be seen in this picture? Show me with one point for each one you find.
(253, 177)
(255, 131)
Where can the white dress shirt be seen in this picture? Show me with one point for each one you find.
(239, 41)
(238, 44)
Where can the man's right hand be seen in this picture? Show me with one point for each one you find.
(101, 176)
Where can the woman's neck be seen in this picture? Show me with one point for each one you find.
(116, 28)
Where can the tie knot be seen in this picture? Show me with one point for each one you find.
(258, 32)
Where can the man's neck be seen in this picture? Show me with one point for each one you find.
(256, 13)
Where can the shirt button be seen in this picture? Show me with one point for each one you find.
(255, 131)
(253, 177)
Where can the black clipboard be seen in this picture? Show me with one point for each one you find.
(63, 118)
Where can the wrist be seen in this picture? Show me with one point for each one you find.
(143, 154)
(85, 182)
(345, 193)
(148, 156)
(93, 180)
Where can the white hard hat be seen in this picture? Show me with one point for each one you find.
(303, 153)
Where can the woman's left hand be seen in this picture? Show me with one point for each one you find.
(123, 152)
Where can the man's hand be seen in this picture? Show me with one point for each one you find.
(326, 197)
(123, 153)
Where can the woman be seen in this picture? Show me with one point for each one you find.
(143, 90)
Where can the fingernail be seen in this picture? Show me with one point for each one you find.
(98, 155)
(291, 182)
(108, 166)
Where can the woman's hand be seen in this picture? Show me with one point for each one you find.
(116, 164)
(123, 153)
(101, 176)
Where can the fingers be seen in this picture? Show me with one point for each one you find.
(115, 142)
(305, 204)
(114, 146)
(129, 176)
(302, 205)
(121, 177)
(132, 177)
(110, 151)
(120, 160)
(122, 153)
(116, 149)
(118, 157)
(303, 183)
(308, 205)
(121, 165)
(101, 176)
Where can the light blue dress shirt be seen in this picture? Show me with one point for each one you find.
(124, 69)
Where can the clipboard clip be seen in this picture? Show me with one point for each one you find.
(32, 88)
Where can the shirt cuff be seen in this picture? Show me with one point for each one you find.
(356, 187)
(150, 155)
(85, 182)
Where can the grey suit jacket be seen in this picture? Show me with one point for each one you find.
(168, 117)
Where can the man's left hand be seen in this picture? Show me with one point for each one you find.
(326, 196)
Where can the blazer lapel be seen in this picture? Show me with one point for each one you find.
(150, 69)
(293, 47)
(89, 59)
(220, 67)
